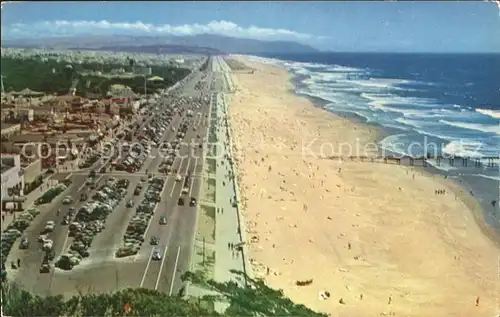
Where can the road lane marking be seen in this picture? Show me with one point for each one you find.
(175, 270)
(187, 166)
(154, 210)
(85, 183)
(161, 267)
(175, 180)
(192, 178)
(147, 267)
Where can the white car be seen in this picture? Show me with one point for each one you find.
(47, 245)
(67, 200)
(49, 226)
(156, 255)
(178, 178)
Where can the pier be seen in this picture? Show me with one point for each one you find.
(455, 161)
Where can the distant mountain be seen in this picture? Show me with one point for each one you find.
(155, 49)
(203, 44)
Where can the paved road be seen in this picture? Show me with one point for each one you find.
(176, 242)
(104, 273)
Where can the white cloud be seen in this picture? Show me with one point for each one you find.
(497, 2)
(63, 27)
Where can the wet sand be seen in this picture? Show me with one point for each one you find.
(374, 235)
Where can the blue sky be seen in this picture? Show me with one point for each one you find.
(339, 26)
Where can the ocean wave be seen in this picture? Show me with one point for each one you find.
(496, 178)
(388, 98)
(348, 89)
(437, 135)
(489, 112)
(441, 166)
(464, 148)
(394, 143)
(327, 77)
(345, 69)
(473, 126)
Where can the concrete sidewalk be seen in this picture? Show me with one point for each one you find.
(8, 216)
(228, 220)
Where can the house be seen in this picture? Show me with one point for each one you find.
(10, 129)
(12, 180)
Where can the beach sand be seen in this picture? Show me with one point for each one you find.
(375, 235)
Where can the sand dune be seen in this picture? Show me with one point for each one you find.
(372, 234)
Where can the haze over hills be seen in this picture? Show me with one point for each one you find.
(202, 44)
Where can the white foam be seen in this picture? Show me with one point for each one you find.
(464, 149)
(473, 126)
(387, 98)
(442, 166)
(437, 135)
(489, 112)
(496, 178)
(345, 69)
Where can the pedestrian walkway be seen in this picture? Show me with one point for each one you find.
(228, 229)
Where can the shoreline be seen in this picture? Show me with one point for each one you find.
(457, 184)
(265, 216)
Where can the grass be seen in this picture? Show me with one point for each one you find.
(234, 64)
(210, 165)
(212, 149)
(212, 137)
(206, 224)
(209, 190)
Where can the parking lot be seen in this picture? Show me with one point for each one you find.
(128, 218)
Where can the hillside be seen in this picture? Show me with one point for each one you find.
(196, 44)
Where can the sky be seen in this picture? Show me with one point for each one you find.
(388, 26)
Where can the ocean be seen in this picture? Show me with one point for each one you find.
(437, 104)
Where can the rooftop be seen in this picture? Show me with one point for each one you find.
(5, 168)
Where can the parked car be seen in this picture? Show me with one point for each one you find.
(163, 220)
(130, 203)
(67, 200)
(45, 268)
(49, 226)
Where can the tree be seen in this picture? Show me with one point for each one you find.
(255, 300)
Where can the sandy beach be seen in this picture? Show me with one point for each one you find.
(375, 236)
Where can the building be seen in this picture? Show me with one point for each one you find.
(31, 171)
(25, 114)
(12, 182)
(10, 129)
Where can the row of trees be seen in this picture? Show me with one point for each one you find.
(255, 300)
(51, 76)
(100, 85)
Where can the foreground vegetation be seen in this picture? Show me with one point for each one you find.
(57, 77)
(255, 300)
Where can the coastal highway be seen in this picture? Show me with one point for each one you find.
(176, 237)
